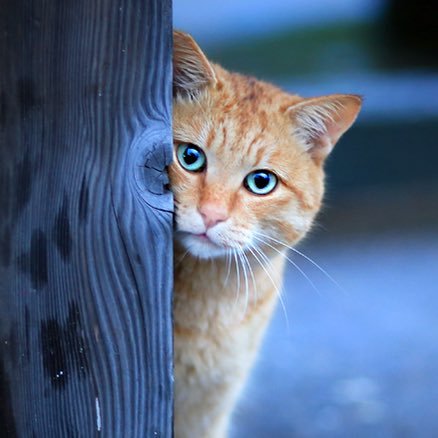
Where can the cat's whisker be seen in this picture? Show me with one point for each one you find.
(236, 260)
(245, 274)
(254, 251)
(312, 284)
(228, 262)
(254, 284)
(182, 258)
(269, 264)
(306, 257)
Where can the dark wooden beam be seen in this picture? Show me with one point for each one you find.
(85, 218)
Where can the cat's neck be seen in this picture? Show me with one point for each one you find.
(247, 265)
(229, 289)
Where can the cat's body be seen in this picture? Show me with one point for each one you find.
(216, 340)
(247, 175)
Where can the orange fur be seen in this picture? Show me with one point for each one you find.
(241, 125)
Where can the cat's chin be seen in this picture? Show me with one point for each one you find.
(201, 246)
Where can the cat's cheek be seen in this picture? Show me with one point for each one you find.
(232, 235)
(296, 228)
(288, 226)
(301, 224)
(189, 222)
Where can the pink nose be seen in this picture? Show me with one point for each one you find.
(212, 214)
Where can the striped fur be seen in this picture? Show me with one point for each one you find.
(220, 314)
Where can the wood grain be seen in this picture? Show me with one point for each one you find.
(85, 218)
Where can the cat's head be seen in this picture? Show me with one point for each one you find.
(248, 157)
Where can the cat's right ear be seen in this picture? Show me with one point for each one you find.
(320, 122)
(191, 70)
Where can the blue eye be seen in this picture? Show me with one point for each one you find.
(191, 157)
(260, 182)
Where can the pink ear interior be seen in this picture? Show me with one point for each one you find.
(320, 122)
(191, 70)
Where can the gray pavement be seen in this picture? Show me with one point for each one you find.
(357, 362)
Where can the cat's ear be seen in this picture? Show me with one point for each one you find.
(319, 122)
(191, 70)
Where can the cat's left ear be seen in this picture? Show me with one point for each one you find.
(191, 70)
(319, 122)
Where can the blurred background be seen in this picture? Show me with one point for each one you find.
(357, 356)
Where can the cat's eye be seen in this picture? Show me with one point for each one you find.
(260, 182)
(191, 157)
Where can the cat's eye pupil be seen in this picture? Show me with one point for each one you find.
(191, 155)
(261, 180)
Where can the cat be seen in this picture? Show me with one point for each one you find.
(247, 179)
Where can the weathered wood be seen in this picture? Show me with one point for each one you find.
(85, 218)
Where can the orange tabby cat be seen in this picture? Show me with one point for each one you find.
(247, 174)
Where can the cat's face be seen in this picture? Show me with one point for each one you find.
(247, 156)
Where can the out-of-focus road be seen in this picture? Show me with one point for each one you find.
(361, 362)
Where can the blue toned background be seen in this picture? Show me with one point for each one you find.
(359, 359)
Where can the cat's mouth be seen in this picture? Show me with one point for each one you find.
(202, 245)
(203, 237)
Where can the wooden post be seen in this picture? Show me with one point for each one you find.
(85, 218)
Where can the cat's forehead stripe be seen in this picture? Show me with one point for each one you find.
(224, 134)
(242, 146)
(210, 137)
(259, 154)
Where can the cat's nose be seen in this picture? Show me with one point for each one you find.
(212, 214)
